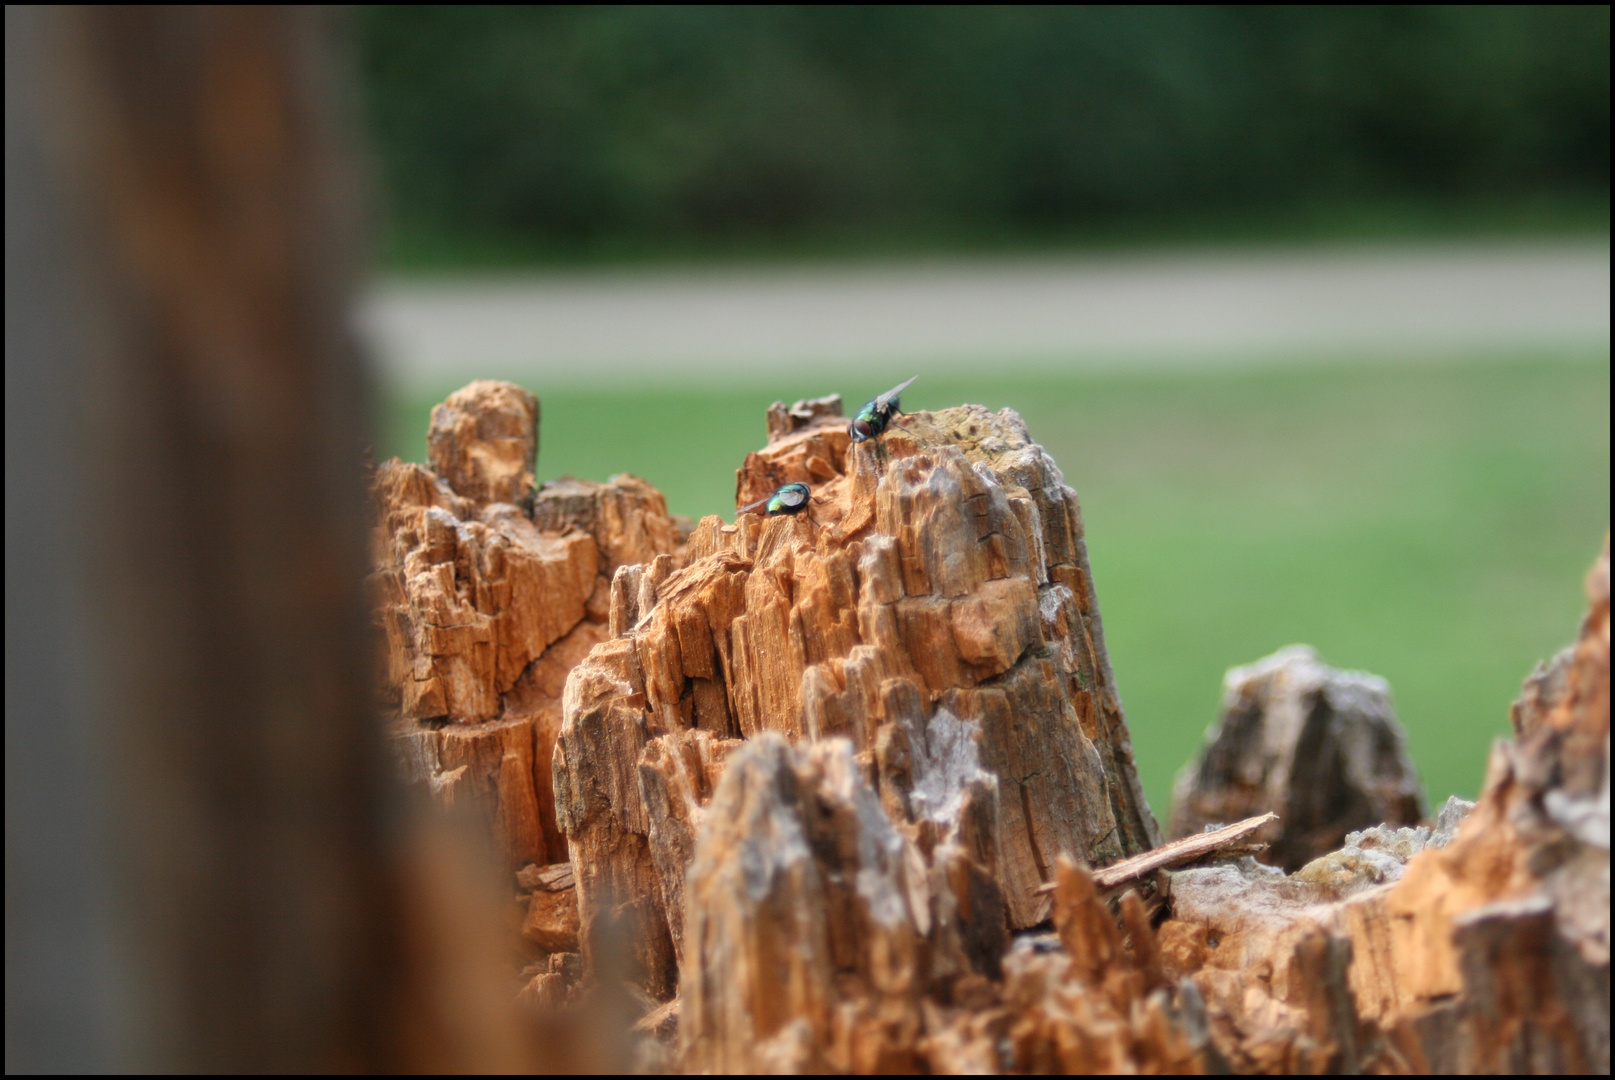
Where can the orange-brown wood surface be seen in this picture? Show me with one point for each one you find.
(851, 789)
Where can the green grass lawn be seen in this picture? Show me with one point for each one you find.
(1430, 524)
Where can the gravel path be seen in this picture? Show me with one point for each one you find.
(1261, 307)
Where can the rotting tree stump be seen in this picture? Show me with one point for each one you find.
(934, 608)
(852, 790)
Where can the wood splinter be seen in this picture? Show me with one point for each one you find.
(1227, 841)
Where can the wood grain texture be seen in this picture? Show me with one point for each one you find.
(933, 608)
(1488, 953)
(1213, 843)
(850, 790)
(1319, 747)
(488, 593)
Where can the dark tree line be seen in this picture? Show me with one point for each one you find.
(565, 125)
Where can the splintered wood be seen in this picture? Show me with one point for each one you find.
(1408, 951)
(851, 790)
(1214, 843)
(1320, 748)
(488, 594)
(933, 612)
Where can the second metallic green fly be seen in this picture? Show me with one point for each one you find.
(788, 499)
(873, 417)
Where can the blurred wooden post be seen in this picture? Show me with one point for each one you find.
(194, 796)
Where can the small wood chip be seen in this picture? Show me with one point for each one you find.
(1189, 849)
(552, 878)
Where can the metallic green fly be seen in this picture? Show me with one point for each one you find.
(873, 417)
(788, 499)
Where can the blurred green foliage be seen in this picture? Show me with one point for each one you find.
(520, 133)
(1428, 523)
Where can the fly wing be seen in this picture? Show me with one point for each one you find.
(894, 391)
(749, 507)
